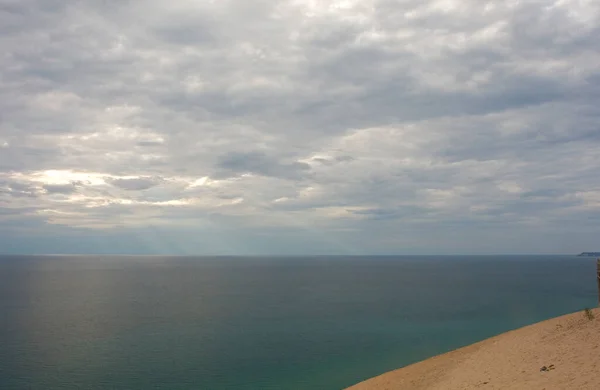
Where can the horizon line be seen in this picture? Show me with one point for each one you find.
(292, 255)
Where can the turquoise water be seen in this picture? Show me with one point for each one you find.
(262, 323)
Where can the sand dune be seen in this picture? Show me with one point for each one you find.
(568, 346)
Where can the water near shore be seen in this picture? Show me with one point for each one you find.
(262, 323)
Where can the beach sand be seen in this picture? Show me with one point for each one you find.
(568, 346)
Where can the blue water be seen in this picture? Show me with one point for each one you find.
(91, 322)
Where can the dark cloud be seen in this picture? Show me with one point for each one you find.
(237, 163)
(135, 184)
(60, 188)
(149, 143)
(18, 190)
(381, 213)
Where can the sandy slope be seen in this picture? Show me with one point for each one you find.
(511, 360)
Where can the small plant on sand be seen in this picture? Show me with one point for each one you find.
(589, 314)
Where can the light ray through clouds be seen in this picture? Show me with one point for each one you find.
(299, 126)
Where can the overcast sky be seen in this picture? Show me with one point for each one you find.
(299, 126)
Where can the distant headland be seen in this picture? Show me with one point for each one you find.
(591, 254)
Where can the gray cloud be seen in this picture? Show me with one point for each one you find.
(135, 184)
(353, 122)
(236, 163)
(60, 188)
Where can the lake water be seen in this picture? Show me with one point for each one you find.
(94, 322)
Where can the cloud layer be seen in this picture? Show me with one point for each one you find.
(295, 126)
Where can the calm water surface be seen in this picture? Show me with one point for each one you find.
(92, 322)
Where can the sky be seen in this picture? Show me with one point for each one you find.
(253, 127)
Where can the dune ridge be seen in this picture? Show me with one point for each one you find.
(560, 353)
